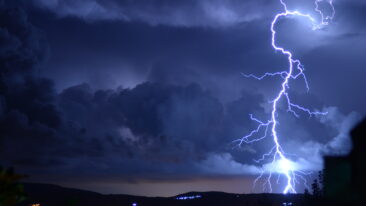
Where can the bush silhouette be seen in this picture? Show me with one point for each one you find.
(11, 192)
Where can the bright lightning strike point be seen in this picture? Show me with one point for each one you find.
(282, 164)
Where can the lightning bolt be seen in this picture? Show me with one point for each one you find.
(279, 159)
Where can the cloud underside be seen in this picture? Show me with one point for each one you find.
(161, 12)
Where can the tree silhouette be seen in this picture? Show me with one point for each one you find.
(315, 187)
(321, 182)
(11, 192)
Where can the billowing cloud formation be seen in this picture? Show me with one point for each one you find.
(162, 12)
(340, 144)
(178, 13)
(177, 99)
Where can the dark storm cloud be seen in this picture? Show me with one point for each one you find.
(144, 115)
(189, 13)
(117, 128)
(28, 113)
(162, 12)
(110, 54)
(126, 54)
(144, 122)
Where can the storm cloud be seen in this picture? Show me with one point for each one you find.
(143, 91)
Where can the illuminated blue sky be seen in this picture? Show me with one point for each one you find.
(129, 96)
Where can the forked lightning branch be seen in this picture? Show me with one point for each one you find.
(277, 157)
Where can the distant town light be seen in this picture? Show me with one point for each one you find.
(188, 197)
(37, 204)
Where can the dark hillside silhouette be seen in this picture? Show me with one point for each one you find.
(46, 195)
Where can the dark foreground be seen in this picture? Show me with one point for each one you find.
(51, 195)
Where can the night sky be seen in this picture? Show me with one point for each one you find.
(145, 97)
